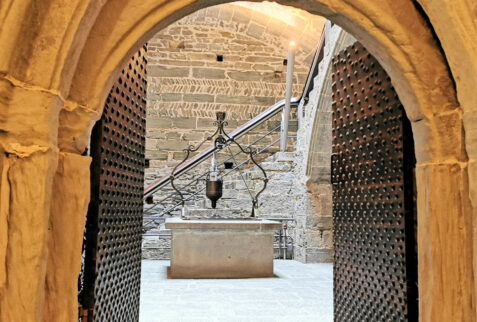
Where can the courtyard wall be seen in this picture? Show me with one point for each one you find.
(223, 58)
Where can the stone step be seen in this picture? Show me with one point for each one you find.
(275, 166)
(282, 157)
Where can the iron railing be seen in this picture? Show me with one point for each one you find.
(204, 174)
(204, 155)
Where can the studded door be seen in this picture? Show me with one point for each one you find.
(375, 260)
(110, 282)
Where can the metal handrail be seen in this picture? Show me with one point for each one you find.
(314, 65)
(178, 204)
(236, 134)
(205, 173)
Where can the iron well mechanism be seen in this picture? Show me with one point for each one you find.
(214, 183)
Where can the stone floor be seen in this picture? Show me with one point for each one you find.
(300, 292)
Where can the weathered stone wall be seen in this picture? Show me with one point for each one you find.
(187, 84)
(224, 58)
(312, 168)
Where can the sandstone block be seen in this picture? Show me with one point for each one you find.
(319, 239)
(284, 157)
(199, 98)
(245, 75)
(250, 43)
(263, 67)
(205, 122)
(321, 158)
(209, 73)
(176, 44)
(179, 156)
(158, 123)
(155, 134)
(263, 100)
(226, 34)
(167, 71)
(222, 98)
(173, 135)
(184, 122)
(264, 59)
(276, 166)
(152, 97)
(301, 78)
(156, 155)
(320, 223)
(176, 62)
(313, 255)
(320, 174)
(172, 145)
(241, 16)
(186, 32)
(193, 136)
(213, 12)
(226, 15)
(273, 124)
(174, 56)
(202, 56)
(151, 144)
(255, 30)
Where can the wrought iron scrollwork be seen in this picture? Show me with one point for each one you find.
(222, 140)
(251, 152)
(188, 150)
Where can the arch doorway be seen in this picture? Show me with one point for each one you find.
(373, 196)
(69, 93)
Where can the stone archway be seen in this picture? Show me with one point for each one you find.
(55, 79)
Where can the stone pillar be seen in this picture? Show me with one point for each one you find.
(25, 193)
(65, 235)
(28, 160)
(444, 242)
(44, 196)
(470, 126)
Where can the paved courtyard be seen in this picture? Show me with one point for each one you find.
(300, 292)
